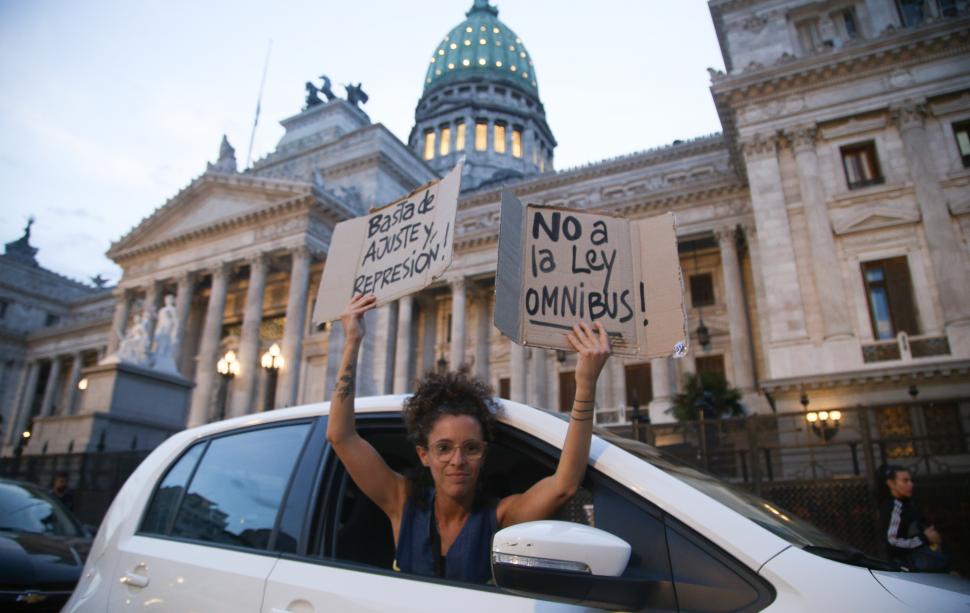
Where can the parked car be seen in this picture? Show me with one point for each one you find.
(42, 549)
(257, 514)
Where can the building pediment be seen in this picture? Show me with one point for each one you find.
(871, 217)
(213, 199)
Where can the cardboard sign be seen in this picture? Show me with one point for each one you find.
(557, 266)
(393, 251)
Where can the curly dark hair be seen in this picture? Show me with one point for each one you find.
(439, 394)
(449, 393)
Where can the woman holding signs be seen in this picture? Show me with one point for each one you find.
(445, 529)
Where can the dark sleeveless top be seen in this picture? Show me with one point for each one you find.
(468, 558)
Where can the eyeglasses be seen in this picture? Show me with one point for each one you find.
(443, 451)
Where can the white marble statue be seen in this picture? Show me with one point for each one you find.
(134, 343)
(165, 343)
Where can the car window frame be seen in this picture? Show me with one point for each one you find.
(270, 549)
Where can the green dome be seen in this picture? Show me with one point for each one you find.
(482, 46)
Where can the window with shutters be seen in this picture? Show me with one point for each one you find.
(889, 293)
(701, 290)
(504, 388)
(709, 364)
(639, 385)
(861, 165)
(808, 35)
(567, 390)
(961, 131)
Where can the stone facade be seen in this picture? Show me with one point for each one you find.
(839, 162)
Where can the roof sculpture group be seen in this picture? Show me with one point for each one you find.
(355, 93)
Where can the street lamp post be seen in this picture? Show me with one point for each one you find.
(271, 361)
(228, 367)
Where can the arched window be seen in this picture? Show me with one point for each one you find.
(517, 142)
(445, 147)
(499, 138)
(481, 135)
(429, 144)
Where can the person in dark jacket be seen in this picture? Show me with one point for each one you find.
(61, 491)
(908, 536)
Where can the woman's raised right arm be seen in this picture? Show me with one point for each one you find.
(367, 468)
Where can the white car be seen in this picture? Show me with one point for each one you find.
(257, 514)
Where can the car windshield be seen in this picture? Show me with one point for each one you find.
(28, 509)
(764, 513)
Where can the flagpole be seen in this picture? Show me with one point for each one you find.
(259, 100)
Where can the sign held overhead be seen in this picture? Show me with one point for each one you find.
(393, 251)
(557, 266)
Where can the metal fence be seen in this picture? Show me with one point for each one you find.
(826, 473)
(95, 478)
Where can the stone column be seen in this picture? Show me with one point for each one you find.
(737, 313)
(335, 346)
(183, 306)
(120, 320)
(205, 369)
(404, 359)
(662, 392)
(785, 311)
(539, 374)
(617, 383)
(248, 355)
(518, 377)
(50, 390)
(457, 353)
(429, 342)
(483, 333)
(375, 372)
(75, 377)
(825, 260)
(293, 328)
(24, 401)
(947, 252)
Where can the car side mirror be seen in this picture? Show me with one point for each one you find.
(568, 562)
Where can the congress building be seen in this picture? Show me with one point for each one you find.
(824, 237)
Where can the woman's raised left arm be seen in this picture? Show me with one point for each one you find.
(544, 498)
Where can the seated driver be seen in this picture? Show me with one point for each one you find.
(442, 524)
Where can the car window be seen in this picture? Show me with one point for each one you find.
(234, 494)
(684, 569)
(767, 515)
(161, 511)
(25, 509)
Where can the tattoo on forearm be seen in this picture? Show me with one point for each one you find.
(347, 383)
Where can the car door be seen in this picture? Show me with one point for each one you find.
(206, 539)
(344, 560)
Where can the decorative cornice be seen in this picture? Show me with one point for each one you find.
(942, 369)
(579, 174)
(894, 49)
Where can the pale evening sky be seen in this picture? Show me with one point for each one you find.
(108, 108)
